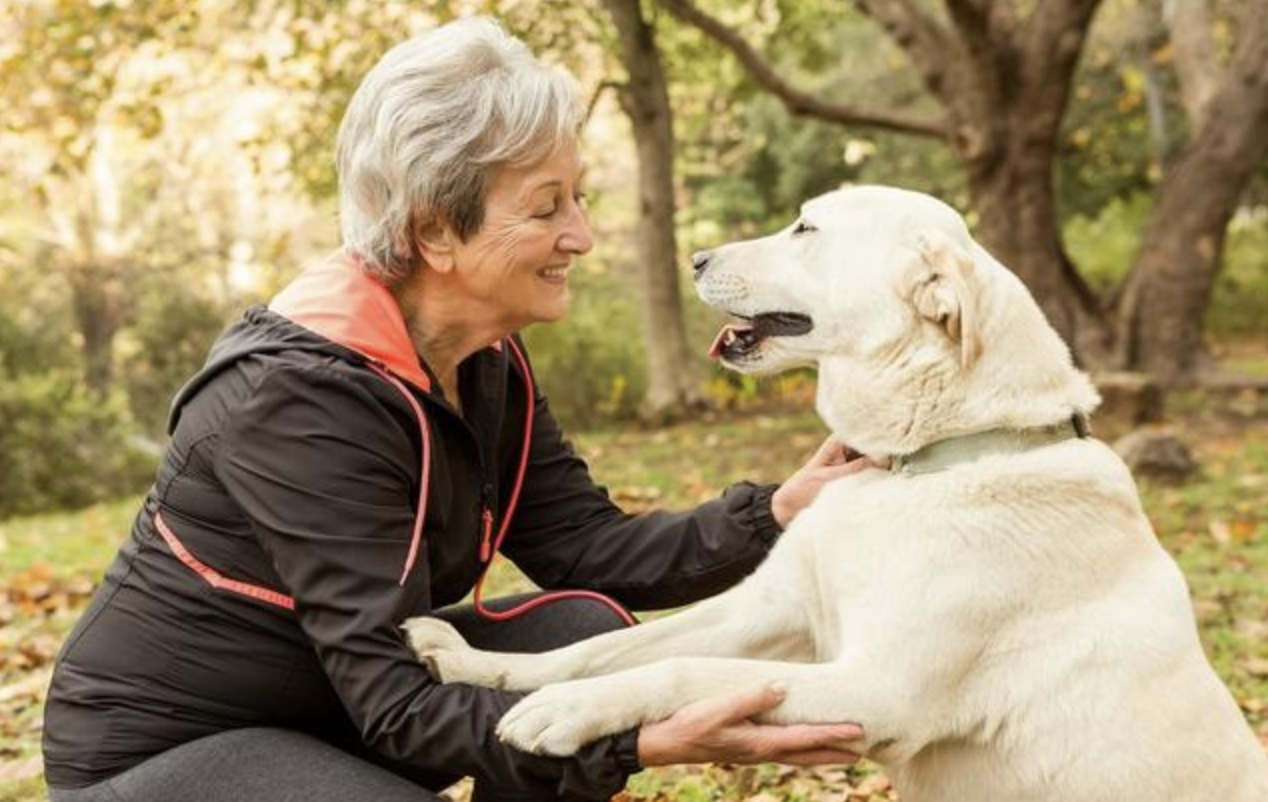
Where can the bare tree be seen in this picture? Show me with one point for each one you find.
(673, 380)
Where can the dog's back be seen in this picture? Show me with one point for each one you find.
(1093, 684)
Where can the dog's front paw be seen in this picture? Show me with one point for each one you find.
(560, 719)
(446, 654)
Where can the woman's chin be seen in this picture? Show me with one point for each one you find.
(553, 312)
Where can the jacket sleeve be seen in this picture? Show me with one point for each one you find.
(567, 532)
(334, 510)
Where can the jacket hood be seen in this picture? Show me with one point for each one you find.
(333, 307)
(339, 301)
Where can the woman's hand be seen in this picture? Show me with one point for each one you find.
(721, 731)
(832, 461)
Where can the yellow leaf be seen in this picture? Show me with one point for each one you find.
(1243, 531)
(1220, 531)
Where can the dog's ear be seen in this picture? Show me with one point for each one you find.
(944, 288)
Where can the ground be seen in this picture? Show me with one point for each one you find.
(1215, 525)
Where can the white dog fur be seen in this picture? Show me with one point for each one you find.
(1007, 629)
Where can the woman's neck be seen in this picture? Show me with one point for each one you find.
(442, 334)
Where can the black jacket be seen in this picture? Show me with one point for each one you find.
(294, 469)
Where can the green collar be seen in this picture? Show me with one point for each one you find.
(940, 455)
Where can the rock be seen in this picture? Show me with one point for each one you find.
(1156, 454)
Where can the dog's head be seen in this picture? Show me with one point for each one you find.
(917, 331)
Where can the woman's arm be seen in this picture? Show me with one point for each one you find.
(326, 473)
(567, 532)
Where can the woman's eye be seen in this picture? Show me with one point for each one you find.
(803, 227)
(545, 214)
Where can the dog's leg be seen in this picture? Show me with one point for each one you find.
(758, 618)
(559, 719)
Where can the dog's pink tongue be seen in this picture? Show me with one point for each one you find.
(726, 337)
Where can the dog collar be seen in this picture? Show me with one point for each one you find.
(940, 455)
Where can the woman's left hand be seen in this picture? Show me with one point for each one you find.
(721, 730)
(832, 461)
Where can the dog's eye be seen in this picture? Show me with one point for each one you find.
(802, 227)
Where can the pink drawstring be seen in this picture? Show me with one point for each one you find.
(494, 615)
(490, 546)
(425, 474)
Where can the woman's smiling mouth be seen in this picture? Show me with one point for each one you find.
(554, 275)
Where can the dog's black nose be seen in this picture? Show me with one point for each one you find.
(700, 261)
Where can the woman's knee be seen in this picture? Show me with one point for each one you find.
(548, 624)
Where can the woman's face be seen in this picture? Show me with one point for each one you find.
(514, 270)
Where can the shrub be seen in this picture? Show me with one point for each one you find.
(1239, 303)
(62, 446)
(1104, 247)
(591, 364)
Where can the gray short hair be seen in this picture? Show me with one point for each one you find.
(429, 125)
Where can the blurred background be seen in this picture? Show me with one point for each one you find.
(166, 163)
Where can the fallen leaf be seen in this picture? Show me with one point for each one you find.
(33, 686)
(876, 784)
(1243, 530)
(1253, 480)
(1220, 531)
(22, 769)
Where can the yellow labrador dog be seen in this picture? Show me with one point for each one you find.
(994, 608)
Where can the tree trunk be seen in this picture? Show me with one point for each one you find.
(673, 380)
(1017, 223)
(95, 299)
(1164, 298)
(1189, 27)
(1006, 82)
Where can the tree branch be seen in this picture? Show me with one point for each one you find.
(597, 95)
(1199, 73)
(1051, 41)
(922, 38)
(797, 101)
(988, 52)
(997, 16)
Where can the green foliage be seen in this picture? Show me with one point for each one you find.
(748, 163)
(591, 364)
(1107, 151)
(63, 447)
(169, 343)
(1104, 246)
(26, 348)
(1239, 304)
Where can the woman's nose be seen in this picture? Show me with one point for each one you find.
(576, 236)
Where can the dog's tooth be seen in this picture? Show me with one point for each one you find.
(730, 336)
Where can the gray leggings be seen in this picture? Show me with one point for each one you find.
(261, 763)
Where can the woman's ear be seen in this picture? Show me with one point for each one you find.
(435, 241)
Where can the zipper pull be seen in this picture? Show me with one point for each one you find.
(486, 539)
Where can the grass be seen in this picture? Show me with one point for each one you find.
(1215, 525)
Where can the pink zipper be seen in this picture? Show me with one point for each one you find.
(486, 539)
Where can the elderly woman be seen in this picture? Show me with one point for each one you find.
(354, 454)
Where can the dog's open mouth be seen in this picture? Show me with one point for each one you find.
(738, 340)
